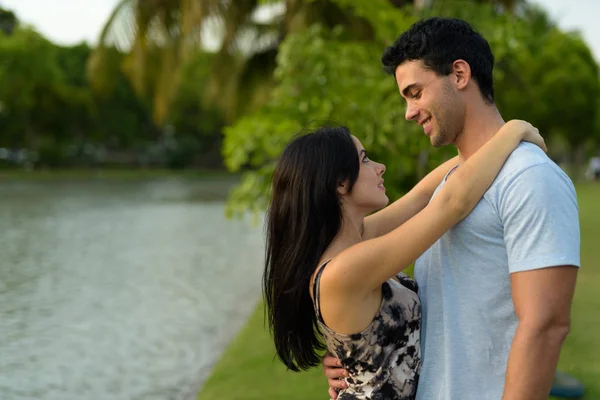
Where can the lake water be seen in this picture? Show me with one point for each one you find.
(119, 290)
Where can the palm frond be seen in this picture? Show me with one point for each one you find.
(160, 35)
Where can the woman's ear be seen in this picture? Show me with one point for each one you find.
(342, 188)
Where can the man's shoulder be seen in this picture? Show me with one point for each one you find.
(530, 178)
(525, 157)
(527, 170)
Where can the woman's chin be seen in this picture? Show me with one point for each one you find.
(387, 201)
(384, 203)
(377, 205)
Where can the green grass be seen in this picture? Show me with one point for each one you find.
(580, 356)
(247, 369)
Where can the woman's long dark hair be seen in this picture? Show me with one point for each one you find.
(303, 218)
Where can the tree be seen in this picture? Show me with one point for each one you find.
(46, 104)
(8, 21)
(122, 121)
(196, 126)
(162, 35)
(29, 81)
(322, 76)
(325, 76)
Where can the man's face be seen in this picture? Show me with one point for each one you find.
(431, 101)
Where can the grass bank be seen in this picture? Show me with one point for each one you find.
(248, 370)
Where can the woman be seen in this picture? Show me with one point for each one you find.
(333, 270)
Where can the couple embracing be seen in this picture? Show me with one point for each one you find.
(493, 233)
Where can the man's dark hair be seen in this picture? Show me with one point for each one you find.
(438, 42)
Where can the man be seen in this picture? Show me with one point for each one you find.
(496, 290)
(594, 169)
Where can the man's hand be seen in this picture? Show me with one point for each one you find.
(335, 373)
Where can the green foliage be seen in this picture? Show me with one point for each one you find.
(189, 114)
(33, 91)
(550, 78)
(271, 93)
(323, 78)
(596, 138)
(197, 125)
(121, 119)
(48, 107)
(543, 75)
(8, 21)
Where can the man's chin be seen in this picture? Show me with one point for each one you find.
(438, 141)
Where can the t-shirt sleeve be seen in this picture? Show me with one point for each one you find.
(539, 211)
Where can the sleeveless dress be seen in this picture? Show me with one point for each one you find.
(385, 358)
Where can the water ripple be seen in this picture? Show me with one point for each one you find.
(118, 291)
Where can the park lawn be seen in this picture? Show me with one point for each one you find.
(580, 356)
(249, 371)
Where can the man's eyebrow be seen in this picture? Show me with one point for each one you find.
(408, 89)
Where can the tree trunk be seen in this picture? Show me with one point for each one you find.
(420, 4)
(578, 162)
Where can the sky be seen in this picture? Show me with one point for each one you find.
(53, 18)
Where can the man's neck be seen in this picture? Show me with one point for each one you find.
(482, 122)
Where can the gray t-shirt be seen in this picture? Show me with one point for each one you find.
(528, 219)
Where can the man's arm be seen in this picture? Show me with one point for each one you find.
(542, 301)
(541, 232)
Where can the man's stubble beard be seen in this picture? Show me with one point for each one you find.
(444, 114)
(445, 135)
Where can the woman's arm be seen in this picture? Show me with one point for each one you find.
(362, 268)
(407, 206)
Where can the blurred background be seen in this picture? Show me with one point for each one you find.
(137, 141)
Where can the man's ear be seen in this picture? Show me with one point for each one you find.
(461, 74)
(342, 188)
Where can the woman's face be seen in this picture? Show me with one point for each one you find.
(368, 192)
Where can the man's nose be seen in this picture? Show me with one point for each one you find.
(411, 113)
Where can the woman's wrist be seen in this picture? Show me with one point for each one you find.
(518, 129)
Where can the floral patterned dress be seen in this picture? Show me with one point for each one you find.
(384, 359)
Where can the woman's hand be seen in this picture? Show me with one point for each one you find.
(526, 131)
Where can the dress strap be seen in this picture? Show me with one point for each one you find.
(316, 290)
